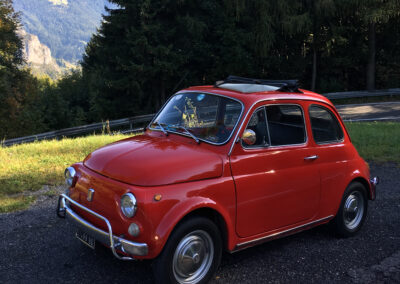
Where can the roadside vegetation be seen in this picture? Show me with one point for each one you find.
(25, 169)
(376, 141)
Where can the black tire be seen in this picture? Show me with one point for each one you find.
(352, 211)
(200, 239)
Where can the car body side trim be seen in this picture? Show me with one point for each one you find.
(277, 235)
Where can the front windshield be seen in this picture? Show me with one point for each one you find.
(206, 117)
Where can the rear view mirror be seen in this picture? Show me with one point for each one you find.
(249, 137)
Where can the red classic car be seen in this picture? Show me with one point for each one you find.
(220, 167)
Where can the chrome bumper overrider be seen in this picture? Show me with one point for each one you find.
(107, 238)
(373, 182)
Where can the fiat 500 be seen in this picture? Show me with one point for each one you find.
(220, 167)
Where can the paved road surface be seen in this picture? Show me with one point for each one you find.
(387, 111)
(37, 247)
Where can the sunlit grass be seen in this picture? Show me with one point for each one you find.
(376, 141)
(27, 167)
(9, 204)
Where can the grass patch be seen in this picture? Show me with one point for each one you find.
(51, 193)
(376, 141)
(27, 167)
(10, 204)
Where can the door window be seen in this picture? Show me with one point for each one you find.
(277, 125)
(286, 125)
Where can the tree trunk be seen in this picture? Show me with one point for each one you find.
(371, 57)
(314, 70)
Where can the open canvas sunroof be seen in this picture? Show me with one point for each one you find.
(250, 85)
(248, 88)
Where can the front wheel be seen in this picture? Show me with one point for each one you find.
(352, 212)
(192, 253)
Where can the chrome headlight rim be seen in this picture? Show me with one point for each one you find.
(69, 174)
(128, 205)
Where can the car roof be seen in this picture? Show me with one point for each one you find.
(250, 98)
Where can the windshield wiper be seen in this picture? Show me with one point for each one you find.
(187, 131)
(161, 127)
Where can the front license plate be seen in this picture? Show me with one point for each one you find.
(86, 239)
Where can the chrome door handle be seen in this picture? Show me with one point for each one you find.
(311, 158)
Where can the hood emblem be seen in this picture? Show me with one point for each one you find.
(90, 194)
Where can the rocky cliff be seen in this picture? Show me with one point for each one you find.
(34, 51)
(38, 57)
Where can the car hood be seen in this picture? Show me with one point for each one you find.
(152, 161)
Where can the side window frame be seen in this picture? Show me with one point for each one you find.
(266, 122)
(335, 119)
(264, 106)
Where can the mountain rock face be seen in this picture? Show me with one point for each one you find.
(55, 32)
(38, 57)
(65, 26)
(34, 51)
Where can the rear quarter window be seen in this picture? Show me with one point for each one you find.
(324, 124)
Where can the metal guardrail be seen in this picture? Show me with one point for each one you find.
(132, 121)
(84, 129)
(362, 94)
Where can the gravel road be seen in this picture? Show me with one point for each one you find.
(384, 111)
(37, 247)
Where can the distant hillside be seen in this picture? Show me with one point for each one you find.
(65, 26)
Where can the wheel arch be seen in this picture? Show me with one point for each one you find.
(199, 207)
(365, 183)
(214, 216)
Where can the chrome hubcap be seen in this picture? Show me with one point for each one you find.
(193, 257)
(353, 210)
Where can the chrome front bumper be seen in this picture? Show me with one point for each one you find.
(107, 238)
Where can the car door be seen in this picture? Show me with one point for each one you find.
(277, 183)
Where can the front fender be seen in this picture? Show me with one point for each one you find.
(182, 209)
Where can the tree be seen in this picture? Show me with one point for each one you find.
(374, 14)
(18, 89)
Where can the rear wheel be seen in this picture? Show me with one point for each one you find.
(352, 212)
(192, 253)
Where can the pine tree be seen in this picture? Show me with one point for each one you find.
(18, 89)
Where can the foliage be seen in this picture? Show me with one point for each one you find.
(143, 49)
(19, 113)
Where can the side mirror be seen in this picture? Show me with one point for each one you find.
(249, 137)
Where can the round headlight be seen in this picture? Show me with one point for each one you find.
(128, 205)
(69, 175)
